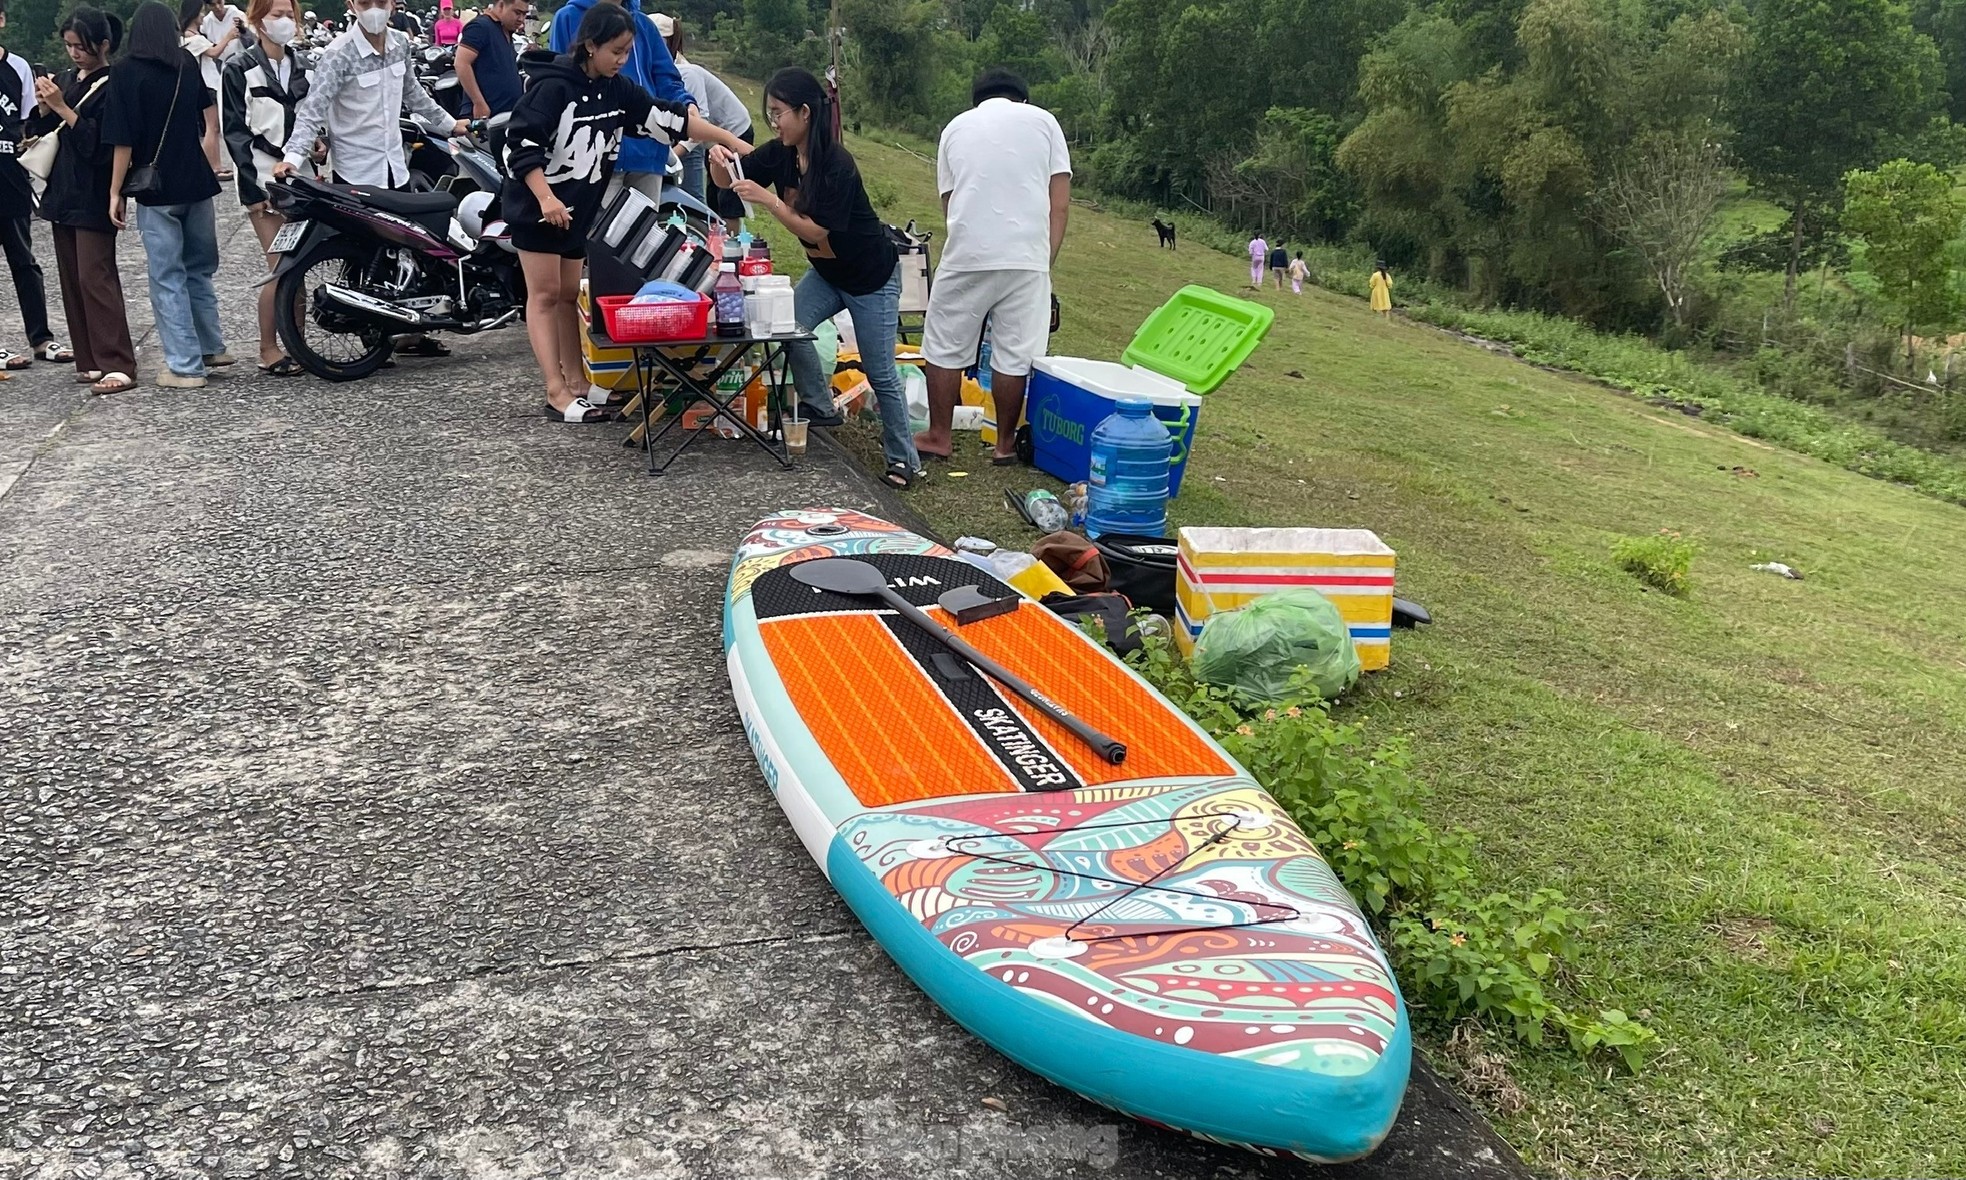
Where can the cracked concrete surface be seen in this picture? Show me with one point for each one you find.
(374, 806)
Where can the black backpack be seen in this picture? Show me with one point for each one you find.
(1142, 568)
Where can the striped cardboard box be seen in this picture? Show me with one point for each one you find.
(1222, 569)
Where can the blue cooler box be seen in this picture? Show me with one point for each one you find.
(1069, 396)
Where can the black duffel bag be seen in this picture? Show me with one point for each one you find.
(1142, 568)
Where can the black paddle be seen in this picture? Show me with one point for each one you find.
(846, 575)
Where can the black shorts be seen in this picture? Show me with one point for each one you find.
(541, 238)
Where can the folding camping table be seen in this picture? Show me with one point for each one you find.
(679, 361)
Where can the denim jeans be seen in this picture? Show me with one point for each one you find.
(180, 243)
(875, 318)
(695, 166)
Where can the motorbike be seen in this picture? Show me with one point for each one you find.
(360, 266)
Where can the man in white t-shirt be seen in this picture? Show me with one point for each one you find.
(224, 25)
(1006, 183)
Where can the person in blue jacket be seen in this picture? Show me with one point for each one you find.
(643, 161)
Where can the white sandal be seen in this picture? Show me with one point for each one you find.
(117, 382)
(581, 412)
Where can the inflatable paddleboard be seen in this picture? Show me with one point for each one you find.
(1157, 935)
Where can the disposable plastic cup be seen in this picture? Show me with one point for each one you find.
(795, 437)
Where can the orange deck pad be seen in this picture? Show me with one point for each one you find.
(894, 738)
(1159, 741)
(884, 726)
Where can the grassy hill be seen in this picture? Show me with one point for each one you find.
(1755, 791)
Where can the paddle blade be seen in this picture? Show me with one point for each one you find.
(840, 575)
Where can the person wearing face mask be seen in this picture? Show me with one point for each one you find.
(361, 85)
(263, 89)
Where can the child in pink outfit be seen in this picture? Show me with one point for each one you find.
(1259, 253)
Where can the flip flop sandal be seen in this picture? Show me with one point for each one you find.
(14, 362)
(49, 350)
(113, 383)
(87, 376)
(581, 412)
(900, 478)
(424, 347)
(1003, 460)
(286, 366)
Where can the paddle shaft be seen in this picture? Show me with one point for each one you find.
(1110, 749)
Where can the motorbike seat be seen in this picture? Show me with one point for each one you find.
(414, 205)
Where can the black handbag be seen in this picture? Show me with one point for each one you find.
(1142, 568)
(145, 182)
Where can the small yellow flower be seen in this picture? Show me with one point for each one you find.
(1350, 844)
(1270, 715)
(1458, 939)
(1245, 731)
(1293, 711)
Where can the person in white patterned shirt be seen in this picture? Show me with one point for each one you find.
(358, 85)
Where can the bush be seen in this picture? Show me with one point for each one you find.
(1661, 561)
(1460, 952)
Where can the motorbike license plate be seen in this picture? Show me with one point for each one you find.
(288, 237)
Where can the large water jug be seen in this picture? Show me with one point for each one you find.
(1126, 491)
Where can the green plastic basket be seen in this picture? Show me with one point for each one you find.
(1199, 337)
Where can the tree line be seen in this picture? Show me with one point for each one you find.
(1562, 155)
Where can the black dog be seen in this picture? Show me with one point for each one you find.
(1166, 232)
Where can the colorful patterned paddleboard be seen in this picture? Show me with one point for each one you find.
(1158, 936)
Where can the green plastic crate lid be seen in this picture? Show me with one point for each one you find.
(1199, 337)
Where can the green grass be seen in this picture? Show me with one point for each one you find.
(1755, 792)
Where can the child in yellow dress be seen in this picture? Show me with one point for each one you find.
(1382, 291)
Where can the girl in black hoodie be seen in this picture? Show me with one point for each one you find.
(559, 151)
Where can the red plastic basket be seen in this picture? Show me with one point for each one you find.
(629, 322)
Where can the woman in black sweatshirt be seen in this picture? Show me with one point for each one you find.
(559, 151)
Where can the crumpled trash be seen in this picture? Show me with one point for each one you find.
(1776, 567)
(1267, 651)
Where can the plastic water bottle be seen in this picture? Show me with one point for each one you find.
(1126, 491)
(1045, 511)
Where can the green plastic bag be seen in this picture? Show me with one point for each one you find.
(1263, 649)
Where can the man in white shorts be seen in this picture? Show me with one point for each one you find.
(1006, 183)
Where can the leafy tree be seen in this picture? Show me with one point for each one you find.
(1291, 179)
(893, 52)
(770, 34)
(1827, 86)
(1400, 154)
(1018, 39)
(1908, 217)
(1660, 201)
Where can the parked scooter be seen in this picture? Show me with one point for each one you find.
(362, 265)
